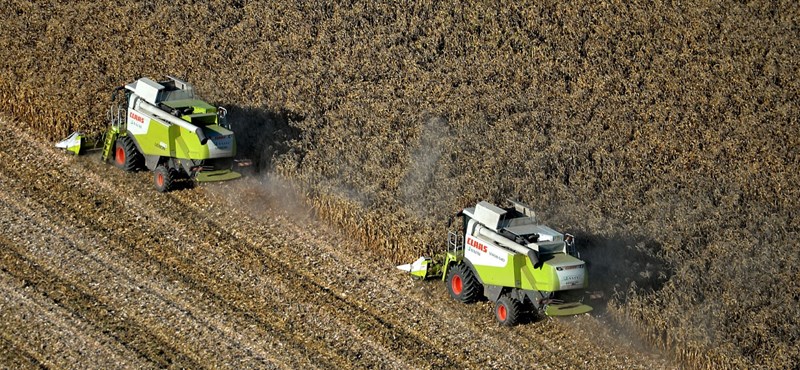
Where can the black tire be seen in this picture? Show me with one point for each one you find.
(462, 284)
(126, 156)
(163, 178)
(507, 311)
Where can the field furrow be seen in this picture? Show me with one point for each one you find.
(230, 275)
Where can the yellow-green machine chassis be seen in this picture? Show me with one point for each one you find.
(162, 127)
(502, 254)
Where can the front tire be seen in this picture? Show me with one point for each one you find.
(126, 156)
(462, 284)
(507, 311)
(164, 178)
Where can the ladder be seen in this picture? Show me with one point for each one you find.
(455, 241)
(108, 143)
(116, 118)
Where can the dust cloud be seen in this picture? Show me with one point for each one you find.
(420, 189)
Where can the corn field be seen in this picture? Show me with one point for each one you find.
(666, 130)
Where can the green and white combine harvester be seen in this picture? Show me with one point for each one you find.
(162, 127)
(506, 256)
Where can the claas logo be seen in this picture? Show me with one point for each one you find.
(136, 117)
(477, 245)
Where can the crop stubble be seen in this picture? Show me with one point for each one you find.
(141, 279)
(665, 132)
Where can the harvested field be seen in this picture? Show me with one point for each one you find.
(665, 135)
(92, 276)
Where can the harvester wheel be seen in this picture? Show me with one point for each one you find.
(163, 177)
(126, 156)
(462, 284)
(507, 310)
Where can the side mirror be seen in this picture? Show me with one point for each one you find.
(221, 120)
(569, 240)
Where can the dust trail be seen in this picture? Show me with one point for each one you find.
(262, 194)
(420, 190)
(619, 265)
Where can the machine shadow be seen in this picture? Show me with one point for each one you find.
(619, 265)
(263, 135)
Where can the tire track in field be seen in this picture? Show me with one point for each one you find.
(110, 242)
(14, 357)
(177, 260)
(472, 326)
(324, 300)
(458, 330)
(69, 342)
(174, 260)
(138, 301)
(70, 212)
(260, 286)
(395, 339)
(87, 308)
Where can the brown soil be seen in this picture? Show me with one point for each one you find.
(98, 270)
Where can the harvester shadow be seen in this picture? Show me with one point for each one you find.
(183, 184)
(620, 265)
(263, 135)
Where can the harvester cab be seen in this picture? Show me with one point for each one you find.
(503, 254)
(163, 127)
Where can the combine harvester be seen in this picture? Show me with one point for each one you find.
(504, 255)
(161, 126)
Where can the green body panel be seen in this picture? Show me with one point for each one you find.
(202, 113)
(76, 149)
(449, 259)
(508, 275)
(520, 273)
(198, 105)
(566, 309)
(546, 277)
(178, 142)
(218, 175)
(163, 140)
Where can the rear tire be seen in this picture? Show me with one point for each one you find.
(507, 311)
(163, 178)
(126, 156)
(462, 284)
